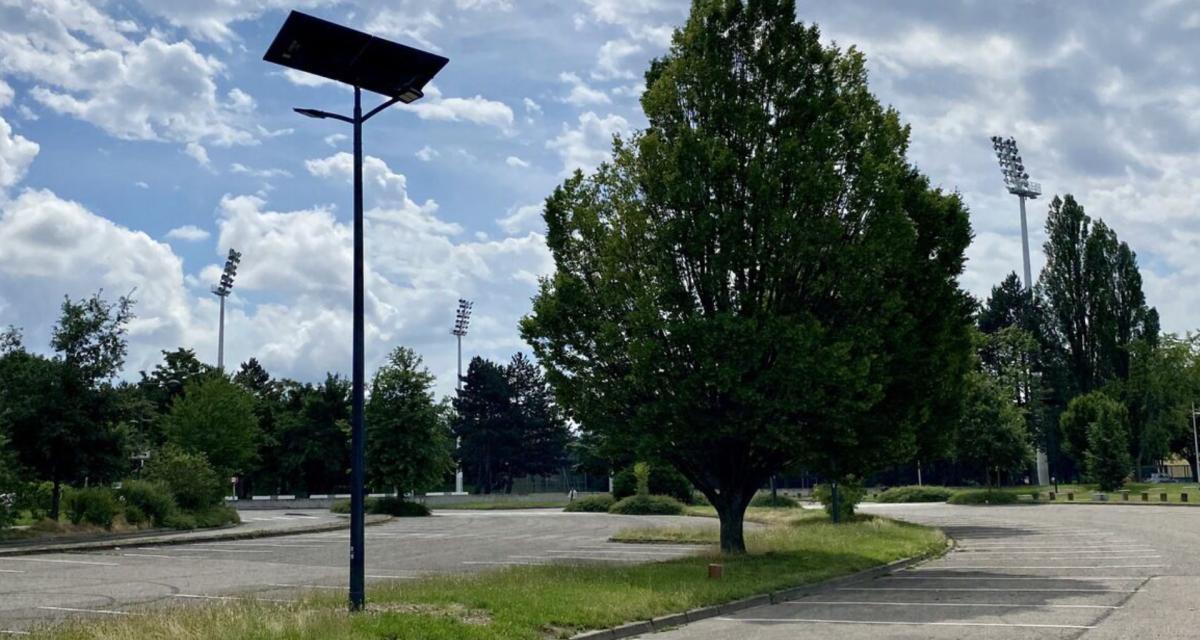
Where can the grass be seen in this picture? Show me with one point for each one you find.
(539, 602)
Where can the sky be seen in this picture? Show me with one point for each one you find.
(141, 139)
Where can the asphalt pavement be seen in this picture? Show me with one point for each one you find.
(115, 582)
(1047, 571)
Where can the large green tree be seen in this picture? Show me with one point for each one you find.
(760, 276)
(215, 417)
(488, 439)
(992, 437)
(408, 433)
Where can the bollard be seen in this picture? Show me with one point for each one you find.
(1125, 495)
(1183, 497)
(1162, 497)
(1051, 496)
(716, 571)
(1070, 496)
(1145, 496)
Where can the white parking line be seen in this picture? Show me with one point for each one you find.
(916, 624)
(212, 550)
(10, 571)
(502, 562)
(267, 544)
(104, 611)
(147, 555)
(952, 604)
(52, 561)
(1006, 590)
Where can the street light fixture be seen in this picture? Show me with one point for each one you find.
(462, 320)
(222, 291)
(312, 45)
(1016, 180)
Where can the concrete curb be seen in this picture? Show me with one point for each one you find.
(176, 538)
(663, 623)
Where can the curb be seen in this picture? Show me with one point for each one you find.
(183, 538)
(663, 623)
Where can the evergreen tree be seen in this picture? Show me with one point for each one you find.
(489, 442)
(992, 436)
(542, 430)
(1107, 455)
(759, 277)
(408, 438)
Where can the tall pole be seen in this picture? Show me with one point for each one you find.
(458, 472)
(1043, 464)
(1195, 444)
(221, 338)
(357, 437)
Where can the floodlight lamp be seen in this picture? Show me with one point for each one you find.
(312, 113)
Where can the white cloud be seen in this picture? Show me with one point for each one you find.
(532, 107)
(141, 184)
(477, 110)
(426, 153)
(265, 174)
(6, 94)
(627, 12)
(388, 189)
(336, 139)
(610, 61)
(16, 154)
(581, 94)
(188, 233)
(212, 20)
(522, 219)
(198, 153)
(589, 144)
(514, 161)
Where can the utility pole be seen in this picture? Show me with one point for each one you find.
(462, 321)
(1016, 180)
(222, 291)
(1195, 445)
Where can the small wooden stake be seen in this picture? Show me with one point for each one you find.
(715, 571)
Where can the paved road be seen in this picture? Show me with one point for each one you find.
(47, 587)
(1071, 571)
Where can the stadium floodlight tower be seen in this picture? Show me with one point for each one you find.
(222, 291)
(398, 73)
(1016, 180)
(462, 320)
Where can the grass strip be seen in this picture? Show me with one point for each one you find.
(539, 602)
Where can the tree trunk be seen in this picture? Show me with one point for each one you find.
(55, 499)
(731, 509)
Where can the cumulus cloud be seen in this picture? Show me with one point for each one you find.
(514, 161)
(522, 219)
(265, 174)
(198, 153)
(16, 154)
(477, 110)
(188, 233)
(580, 93)
(426, 153)
(590, 143)
(610, 61)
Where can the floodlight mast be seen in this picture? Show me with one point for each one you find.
(222, 291)
(339, 53)
(1016, 180)
(462, 320)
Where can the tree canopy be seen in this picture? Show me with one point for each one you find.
(760, 276)
(215, 417)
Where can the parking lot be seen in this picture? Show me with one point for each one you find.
(117, 582)
(1018, 572)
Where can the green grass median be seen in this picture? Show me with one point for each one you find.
(540, 602)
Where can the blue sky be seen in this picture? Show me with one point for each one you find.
(139, 140)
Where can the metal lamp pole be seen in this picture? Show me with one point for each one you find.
(1195, 444)
(362, 61)
(462, 320)
(1016, 180)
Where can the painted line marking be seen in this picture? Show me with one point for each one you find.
(264, 544)
(984, 589)
(147, 555)
(52, 561)
(10, 571)
(501, 562)
(211, 550)
(104, 611)
(916, 624)
(952, 604)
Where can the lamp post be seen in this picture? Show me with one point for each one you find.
(462, 320)
(222, 291)
(399, 73)
(1195, 445)
(1016, 180)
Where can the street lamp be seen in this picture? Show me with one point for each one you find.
(462, 320)
(222, 291)
(1016, 180)
(397, 72)
(1195, 444)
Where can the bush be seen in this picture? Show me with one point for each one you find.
(398, 507)
(664, 481)
(778, 501)
(147, 501)
(915, 494)
(591, 504)
(215, 516)
(983, 496)
(189, 477)
(850, 493)
(647, 506)
(343, 506)
(95, 505)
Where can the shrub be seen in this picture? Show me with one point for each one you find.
(777, 501)
(664, 481)
(398, 507)
(147, 501)
(983, 496)
(189, 477)
(180, 520)
(647, 506)
(592, 504)
(215, 516)
(343, 506)
(35, 497)
(850, 493)
(915, 494)
(95, 505)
